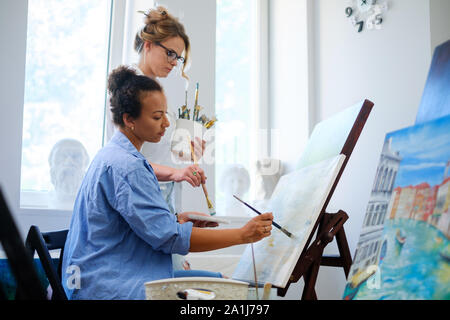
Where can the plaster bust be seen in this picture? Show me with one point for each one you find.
(268, 172)
(68, 161)
(235, 180)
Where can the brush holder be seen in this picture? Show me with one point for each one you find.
(185, 132)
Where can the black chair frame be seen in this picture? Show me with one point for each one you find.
(27, 280)
(42, 243)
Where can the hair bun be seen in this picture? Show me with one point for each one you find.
(120, 77)
(162, 11)
(154, 15)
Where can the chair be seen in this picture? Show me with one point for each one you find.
(42, 243)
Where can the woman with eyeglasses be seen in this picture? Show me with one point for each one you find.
(162, 45)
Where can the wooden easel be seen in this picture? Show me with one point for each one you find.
(328, 226)
(312, 258)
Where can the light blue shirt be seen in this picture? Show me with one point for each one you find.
(122, 233)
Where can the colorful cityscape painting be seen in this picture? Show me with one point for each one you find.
(403, 251)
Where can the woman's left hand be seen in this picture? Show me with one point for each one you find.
(183, 217)
(192, 174)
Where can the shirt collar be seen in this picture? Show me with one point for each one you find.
(122, 141)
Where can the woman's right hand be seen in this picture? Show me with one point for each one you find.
(192, 174)
(257, 228)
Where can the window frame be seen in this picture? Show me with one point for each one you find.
(30, 215)
(260, 135)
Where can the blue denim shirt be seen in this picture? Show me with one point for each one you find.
(122, 233)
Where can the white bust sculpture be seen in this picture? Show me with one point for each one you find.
(68, 161)
(268, 172)
(235, 180)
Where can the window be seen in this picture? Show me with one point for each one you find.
(388, 181)
(368, 216)
(134, 21)
(356, 257)
(237, 63)
(391, 186)
(64, 102)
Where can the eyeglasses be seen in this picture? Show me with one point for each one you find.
(171, 55)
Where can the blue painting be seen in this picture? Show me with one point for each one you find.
(436, 95)
(404, 251)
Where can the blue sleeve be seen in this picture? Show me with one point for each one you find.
(140, 203)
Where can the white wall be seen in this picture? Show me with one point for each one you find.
(291, 74)
(289, 78)
(440, 22)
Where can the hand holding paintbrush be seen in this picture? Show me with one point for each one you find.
(290, 235)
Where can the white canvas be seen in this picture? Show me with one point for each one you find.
(296, 204)
(329, 136)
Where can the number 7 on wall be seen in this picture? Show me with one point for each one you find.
(360, 25)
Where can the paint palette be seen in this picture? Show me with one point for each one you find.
(207, 218)
(168, 289)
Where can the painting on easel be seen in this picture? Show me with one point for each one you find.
(301, 196)
(296, 202)
(404, 250)
(436, 96)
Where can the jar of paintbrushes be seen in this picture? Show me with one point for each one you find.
(189, 127)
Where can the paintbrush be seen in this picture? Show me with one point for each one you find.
(208, 202)
(254, 272)
(273, 222)
(196, 95)
(211, 209)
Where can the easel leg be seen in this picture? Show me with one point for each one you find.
(330, 226)
(344, 251)
(309, 293)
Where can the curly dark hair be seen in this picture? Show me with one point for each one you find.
(125, 87)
